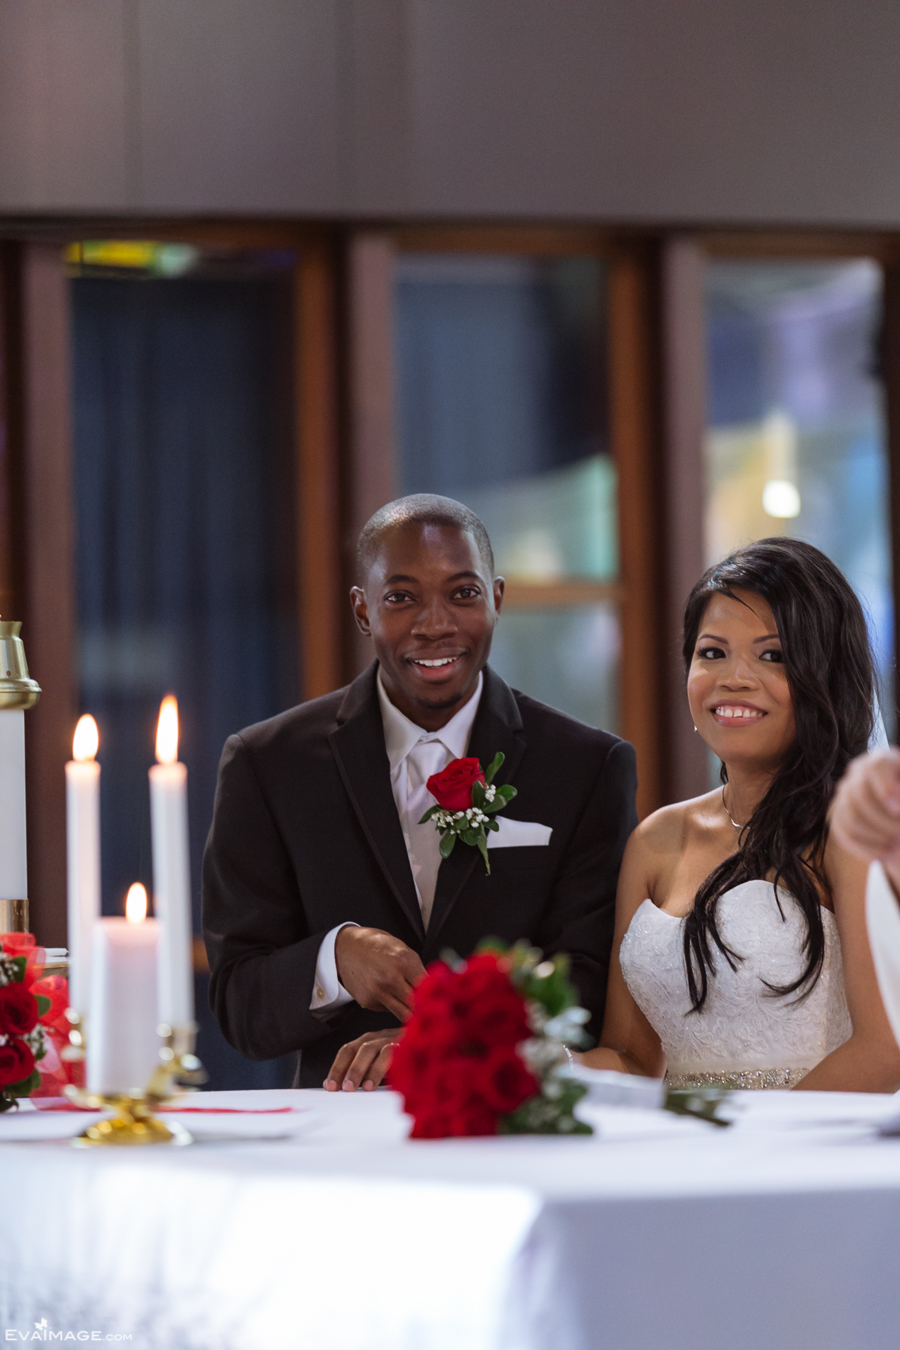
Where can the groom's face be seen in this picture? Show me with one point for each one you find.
(430, 605)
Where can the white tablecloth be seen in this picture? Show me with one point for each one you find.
(780, 1233)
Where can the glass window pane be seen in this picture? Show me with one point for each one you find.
(502, 401)
(567, 657)
(502, 404)
(796, 441)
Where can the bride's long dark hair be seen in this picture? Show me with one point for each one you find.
(829, 669)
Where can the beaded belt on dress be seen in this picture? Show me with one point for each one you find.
(736, 1078)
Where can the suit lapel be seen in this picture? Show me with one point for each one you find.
(497, 726)
(358, 748)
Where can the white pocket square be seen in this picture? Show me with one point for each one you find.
(518, 834)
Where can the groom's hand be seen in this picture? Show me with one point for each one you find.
(377, 970)
(865, 816)
(363, 1062)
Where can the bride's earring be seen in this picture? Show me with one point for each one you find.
(695, 728)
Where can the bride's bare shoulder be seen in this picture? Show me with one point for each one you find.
(672, 828)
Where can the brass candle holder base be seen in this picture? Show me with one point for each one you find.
(14, 916)
(134, 1121)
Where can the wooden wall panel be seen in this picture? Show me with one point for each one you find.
(68, 91)
(634, 415)
(371, 334)
(374, 479)
(319, 587)
(637, 111)
(12, 523)
(684, 421)
(241, 106)
(49, 618)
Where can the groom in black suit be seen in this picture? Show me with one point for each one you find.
(323, 898)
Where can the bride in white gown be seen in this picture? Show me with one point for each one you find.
(740, 956)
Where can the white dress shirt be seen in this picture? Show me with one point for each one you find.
(413, 754)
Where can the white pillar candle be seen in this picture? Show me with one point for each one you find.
(122, 1042)
(83, 858)
(172, 872)
(13, 854)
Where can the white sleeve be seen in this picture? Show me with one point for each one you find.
(328, 992)
(883, 919)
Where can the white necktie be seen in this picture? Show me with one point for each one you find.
(424, 759)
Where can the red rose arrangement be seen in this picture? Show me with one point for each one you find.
(483, 1050)
(467, 801)
(33, 1025)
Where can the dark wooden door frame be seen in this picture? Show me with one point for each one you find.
(37, 549)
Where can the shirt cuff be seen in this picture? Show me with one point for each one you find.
(328, 992)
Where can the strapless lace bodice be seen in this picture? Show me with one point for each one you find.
(742, 1029)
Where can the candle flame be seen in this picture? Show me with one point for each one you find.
(86, 741)
(167, 731)
(136, 903)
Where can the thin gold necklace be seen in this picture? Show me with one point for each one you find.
(728, 813)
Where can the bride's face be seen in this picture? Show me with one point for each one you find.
(737, 687)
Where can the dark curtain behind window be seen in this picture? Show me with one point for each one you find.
(182, 544)
(498, 361)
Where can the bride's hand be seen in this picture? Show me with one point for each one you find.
(865, 815)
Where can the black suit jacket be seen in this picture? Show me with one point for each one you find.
(305, 836)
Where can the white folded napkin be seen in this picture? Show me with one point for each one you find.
(518, 834)
(606, 1087)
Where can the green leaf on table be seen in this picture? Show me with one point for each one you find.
(701, 1103)
(539, 1115)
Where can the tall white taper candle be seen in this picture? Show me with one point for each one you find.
(83, 858)
(13, 856)
(122, 1041)
(171, 872)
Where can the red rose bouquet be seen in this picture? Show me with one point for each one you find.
(467, 801)
(483, 1049)
(33, 1026)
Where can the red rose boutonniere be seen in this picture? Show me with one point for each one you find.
(467, 801)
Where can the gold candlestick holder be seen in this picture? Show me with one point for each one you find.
(17, 689)
(18, 692)
(14, 916)
(134, 1120)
